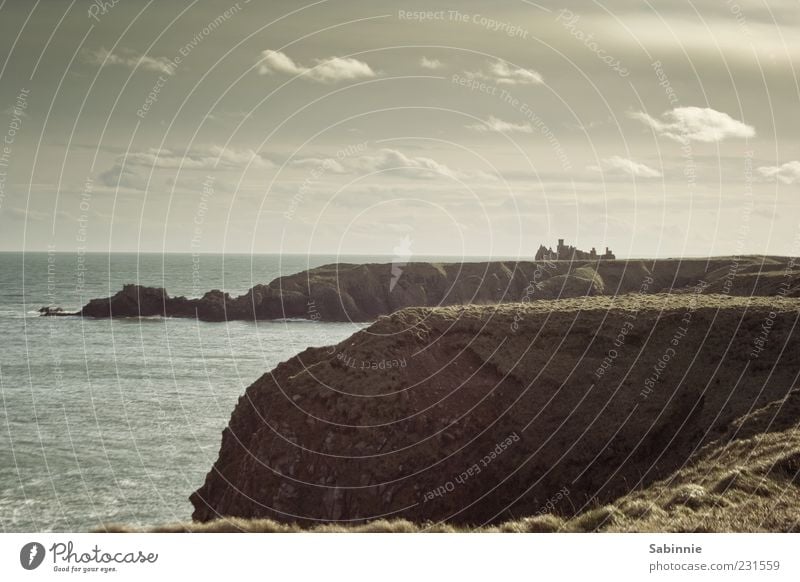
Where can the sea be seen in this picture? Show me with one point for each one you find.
(118, 421)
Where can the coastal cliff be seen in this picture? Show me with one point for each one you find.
(478, 414)
(347, 292)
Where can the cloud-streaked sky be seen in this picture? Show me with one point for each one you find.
(472, 128)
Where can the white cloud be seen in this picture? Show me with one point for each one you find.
(431, 64)
(498, 125)
(386, 159)
(323, 164)
(122, 177)
(703, 124)
(130, 60)
(328, 70)
(620, 165)
(197, 182)
(509, 75)
(502, 73)
(213, 158)
(126, 170)
(29, 214)
(788, 173)
(389, 159)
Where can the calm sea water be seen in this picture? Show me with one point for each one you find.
(119, 421)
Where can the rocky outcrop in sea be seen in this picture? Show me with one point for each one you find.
(345, 292)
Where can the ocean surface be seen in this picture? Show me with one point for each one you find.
(119, 421)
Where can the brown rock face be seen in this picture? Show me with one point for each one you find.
(344, 292)
(478, 414)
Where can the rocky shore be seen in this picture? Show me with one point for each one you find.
(346, 292)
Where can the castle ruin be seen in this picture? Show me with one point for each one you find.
(569, 253)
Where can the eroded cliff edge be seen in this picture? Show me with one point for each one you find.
(483, 413)
(346, 292)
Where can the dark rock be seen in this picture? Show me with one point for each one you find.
(479, 414)
(48, 311)
(344, 292)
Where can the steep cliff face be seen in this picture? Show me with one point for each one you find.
(476, 414)
(345, 292)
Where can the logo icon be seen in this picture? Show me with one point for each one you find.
(31, 555)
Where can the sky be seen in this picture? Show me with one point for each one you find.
(371, 127)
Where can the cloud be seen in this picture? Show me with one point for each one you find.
(198, 182)
(509, 75)
(788, 173)
(125, 171)
(386, 159)
(323, 164)
(620, 165)
(123, 177)
(328, 70)
(28, 214)
(130, 60)
(431, 64)
(502, 73)
(685, 124)
(213, 158)
(498, 125)
(413, 166)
